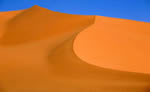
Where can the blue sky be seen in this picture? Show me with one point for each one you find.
(127, 9)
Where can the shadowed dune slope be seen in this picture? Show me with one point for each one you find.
(43, 23)
(37, 55)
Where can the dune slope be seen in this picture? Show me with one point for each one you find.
(117, 44)
(37, 55)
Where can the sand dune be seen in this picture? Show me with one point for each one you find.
(40, 51)
(116, 43)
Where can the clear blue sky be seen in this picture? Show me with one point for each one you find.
(127, 9)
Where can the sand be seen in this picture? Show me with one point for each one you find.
(117, 44)
(45, 51)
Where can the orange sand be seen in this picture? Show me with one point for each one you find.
(41, 52)
(117, 44)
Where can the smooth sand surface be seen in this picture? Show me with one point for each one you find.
(117, 44)
(40, 51)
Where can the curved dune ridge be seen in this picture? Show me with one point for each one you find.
(40, 51)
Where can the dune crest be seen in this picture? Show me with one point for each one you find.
(38, 23)
(37, 55)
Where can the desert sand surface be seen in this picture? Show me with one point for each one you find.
(46, 51)
(116, 43)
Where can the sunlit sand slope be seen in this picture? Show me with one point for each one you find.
(37, 55)
(116, 43)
